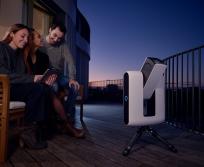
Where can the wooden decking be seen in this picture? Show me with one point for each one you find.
(105, 140)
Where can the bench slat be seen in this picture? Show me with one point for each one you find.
(16, 113)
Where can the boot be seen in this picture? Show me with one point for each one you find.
(32, 138)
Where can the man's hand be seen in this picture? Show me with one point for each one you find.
(74, 83)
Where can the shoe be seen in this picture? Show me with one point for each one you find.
(32, 145)
(32, 139)
(75, 132)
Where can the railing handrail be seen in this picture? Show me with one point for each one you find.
(184, 52)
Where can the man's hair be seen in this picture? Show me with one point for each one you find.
(61, 27)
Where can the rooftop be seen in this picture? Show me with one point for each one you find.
(106, 138)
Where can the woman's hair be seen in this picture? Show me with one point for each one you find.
(29, 48)
(13, 29)
(30, 45)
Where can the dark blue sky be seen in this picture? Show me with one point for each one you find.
(124, 32)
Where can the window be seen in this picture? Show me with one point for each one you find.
(41, 20)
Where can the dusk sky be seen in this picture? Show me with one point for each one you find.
(124, 32)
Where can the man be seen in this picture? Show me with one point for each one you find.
(61, 58)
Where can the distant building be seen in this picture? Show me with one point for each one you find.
(39, 14)
(104, 83)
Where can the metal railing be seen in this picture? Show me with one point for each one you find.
(185, 89)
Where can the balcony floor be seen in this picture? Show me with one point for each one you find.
(105, 140)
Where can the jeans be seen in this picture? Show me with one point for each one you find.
(69, 103)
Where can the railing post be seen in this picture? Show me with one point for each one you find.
(184, 104)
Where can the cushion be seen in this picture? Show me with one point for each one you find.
(16, 104)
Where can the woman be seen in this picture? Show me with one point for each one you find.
(37, 63)
(25, 87)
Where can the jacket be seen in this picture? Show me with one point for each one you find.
(12, 64)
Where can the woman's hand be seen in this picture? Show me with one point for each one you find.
(37, 78)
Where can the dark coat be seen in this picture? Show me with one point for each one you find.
(12, 64)
(41, 64)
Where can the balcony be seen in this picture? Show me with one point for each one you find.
(106, 138)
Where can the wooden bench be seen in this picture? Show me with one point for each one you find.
(14, 111)
(9, 111)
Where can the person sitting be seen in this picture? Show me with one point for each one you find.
(37, 63)
(25, 87)
(61, 58)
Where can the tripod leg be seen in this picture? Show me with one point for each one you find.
(135, 137)
(164, 141)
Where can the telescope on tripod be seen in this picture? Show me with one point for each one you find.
(144, 100)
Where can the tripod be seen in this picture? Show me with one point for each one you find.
(149, 130)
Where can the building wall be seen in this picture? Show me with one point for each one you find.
(69, 6)
(83, 69)
(9, 14)
(22, 12)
